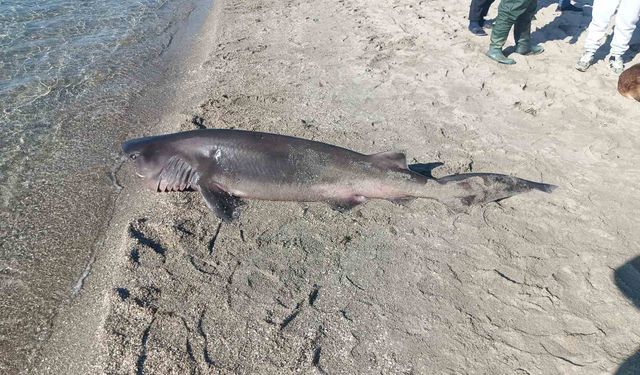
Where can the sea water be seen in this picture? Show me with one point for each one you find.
(70, 62)
(72, 74)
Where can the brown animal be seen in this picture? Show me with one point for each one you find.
(629, 83)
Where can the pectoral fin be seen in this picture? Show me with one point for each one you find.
(224, 205)
(403, 201)
(347, 204)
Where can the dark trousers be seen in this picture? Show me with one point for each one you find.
(479, 10)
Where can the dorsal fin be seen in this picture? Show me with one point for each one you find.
(177, 175)
(425, 169)
(390, 159)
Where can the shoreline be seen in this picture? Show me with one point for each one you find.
(521, 286)
(81, 250)
(76, 345)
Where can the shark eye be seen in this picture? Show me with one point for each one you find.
(134, 156)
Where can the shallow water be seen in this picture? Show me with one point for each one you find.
(64, 62)
(73, 82)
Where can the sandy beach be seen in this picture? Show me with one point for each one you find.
(524, 286)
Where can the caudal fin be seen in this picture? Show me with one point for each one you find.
(477, 188)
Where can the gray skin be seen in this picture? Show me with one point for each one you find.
(229, 165)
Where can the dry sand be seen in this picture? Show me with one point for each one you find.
(524, 286)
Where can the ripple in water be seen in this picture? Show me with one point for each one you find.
(67, 65)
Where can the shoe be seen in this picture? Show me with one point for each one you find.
(568, 8)
(486, 24)
(530, 49)
(476, 29)
(496, 54)
(585, 61)
(616, 64)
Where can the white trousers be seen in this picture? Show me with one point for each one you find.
(625, 24)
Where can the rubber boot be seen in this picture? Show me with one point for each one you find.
(496, 55)
(522, 33)
(499, 35)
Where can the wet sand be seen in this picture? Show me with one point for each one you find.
(53, 221)
(524, 286)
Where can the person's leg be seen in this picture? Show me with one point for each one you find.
(485, 11)
(600, 18)
(475, 10)
(500, 32)
(522, 31)
(626, 20)
(508, 12)
(476, 17)
(601, 15)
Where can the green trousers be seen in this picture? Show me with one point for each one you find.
(516, 13)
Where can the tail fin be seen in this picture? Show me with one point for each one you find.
(477, 188)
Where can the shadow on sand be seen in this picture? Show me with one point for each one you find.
(632, 52)
(566, 24)
(574, 24)
(634, 46)
(627, 279)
